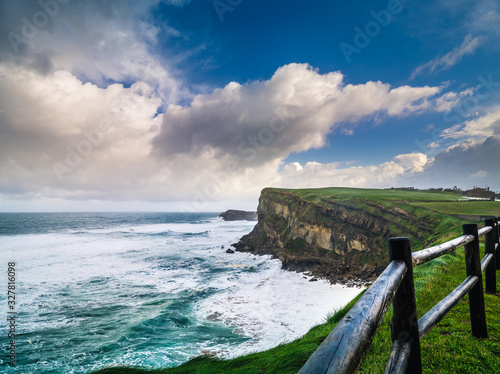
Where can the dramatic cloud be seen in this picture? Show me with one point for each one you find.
(61, 136)
(469, 45)
(65, 138)
(102, 42)
(90, 108)
(292, 112)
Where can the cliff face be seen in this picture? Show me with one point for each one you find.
(340, 242)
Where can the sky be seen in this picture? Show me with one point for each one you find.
(194, 105)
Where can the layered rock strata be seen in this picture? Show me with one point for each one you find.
(339, 242)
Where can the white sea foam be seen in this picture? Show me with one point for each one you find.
(273, 306)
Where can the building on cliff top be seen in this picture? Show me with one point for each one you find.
(481, 193)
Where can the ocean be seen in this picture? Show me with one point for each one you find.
(144, 289)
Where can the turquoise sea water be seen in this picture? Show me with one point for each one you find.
(145, 289)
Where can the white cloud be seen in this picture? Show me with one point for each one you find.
(450, 100)
(54, 146)
(433, 145)
(292, 112)
(44, 117)
(387, 174)
(480, 128)
(440, 63)
(292, 167)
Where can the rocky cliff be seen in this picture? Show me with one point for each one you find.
(342, 242)
(238, 215)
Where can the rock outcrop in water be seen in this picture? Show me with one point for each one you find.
(339, 242)
(238, 215)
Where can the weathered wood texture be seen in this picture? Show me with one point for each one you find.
(344, 349)
(476, 296)
(486, 229)
(488, 263)
(428, 254)
(399, 358)
(487, 260)
(404, 327)
(433, 316)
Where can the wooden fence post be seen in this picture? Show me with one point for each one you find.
(476, 297)
(489, 247)
(405, 322)
(497, 240)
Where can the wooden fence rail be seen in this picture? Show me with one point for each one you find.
(345, 347)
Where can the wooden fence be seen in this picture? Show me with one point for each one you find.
(345, 347)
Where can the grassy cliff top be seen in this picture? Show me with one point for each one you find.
(442, 202)
(317, 195)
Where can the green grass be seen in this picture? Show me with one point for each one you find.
(463, 207)
(443, 202)
(321, 195)
(449, 348)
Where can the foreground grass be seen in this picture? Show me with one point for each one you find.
(449, 348)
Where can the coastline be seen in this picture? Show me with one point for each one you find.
(316, 267)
